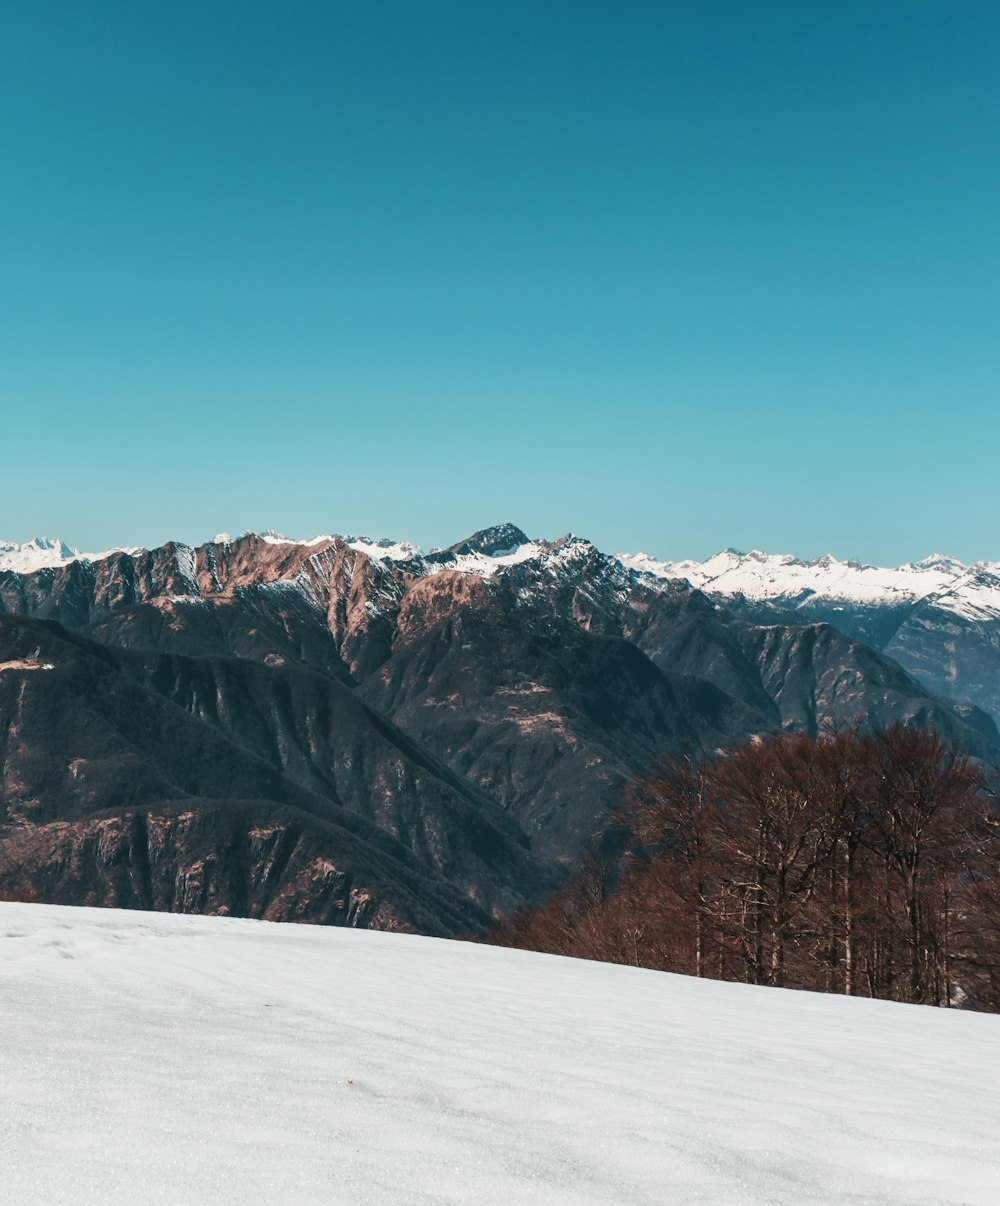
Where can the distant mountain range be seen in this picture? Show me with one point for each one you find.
(355, 731)
(938, 618)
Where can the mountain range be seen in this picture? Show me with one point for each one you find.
(938, 618)
(358, 732)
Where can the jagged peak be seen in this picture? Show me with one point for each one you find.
(572, 545)
(940, 561)
(496, 549)
(383, 549)
(780, 576)
(41, 552)
(495, 541)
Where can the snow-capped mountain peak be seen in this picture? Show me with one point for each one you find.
(383, 549)
(500, 540)
(940, 562)
(782, 577)
(39, 553)
(485, 552)
(971, 592)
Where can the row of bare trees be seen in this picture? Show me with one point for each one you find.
(863, 863)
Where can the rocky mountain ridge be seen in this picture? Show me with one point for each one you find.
(969, 590)
(482, 706)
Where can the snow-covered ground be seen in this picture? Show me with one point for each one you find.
(162, 1058)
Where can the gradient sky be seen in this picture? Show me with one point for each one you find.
(673, 276)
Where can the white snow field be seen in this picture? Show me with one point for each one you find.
(160, 1058)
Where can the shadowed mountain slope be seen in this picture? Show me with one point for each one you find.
(550, 719)
(87, 748)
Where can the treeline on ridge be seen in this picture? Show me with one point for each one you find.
(863, 863)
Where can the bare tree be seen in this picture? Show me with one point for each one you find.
(854, 862)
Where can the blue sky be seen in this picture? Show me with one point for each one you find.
(673, 276)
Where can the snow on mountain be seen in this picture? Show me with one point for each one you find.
(162, 1058)
(975, 596)
(482, 561)
(760, 575)
(380, 550)
(384, 550)
(42, 553)
(39, 553)
(484, 565)
(132, 550)
(942, 562)
(272, 537)
(969, 590)
(483, 554)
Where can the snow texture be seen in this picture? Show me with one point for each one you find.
(164, 1058)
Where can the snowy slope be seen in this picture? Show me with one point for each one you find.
(164, 1058)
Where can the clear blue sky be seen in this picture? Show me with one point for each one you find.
(674, 276)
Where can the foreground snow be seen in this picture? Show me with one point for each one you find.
(161, 1058)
